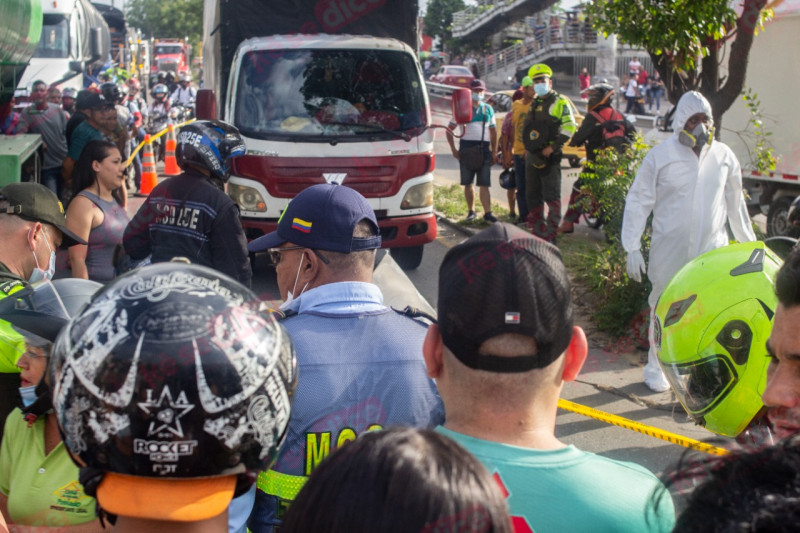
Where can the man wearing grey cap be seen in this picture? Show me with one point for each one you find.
(32, 226)
(504, 346)
(360, 361)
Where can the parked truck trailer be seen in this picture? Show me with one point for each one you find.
(327, 91)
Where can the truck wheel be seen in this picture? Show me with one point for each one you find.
(408, 258)
(777, 218)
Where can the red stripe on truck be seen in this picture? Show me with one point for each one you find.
(373, 177)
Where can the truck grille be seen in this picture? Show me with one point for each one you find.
(373, 177)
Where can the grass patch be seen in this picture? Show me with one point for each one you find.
(449, 200)
(578, 255)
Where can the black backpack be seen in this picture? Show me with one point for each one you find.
(614, 127)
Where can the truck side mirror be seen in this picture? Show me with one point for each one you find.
(96, 43)
(462, 106)
(206, 105)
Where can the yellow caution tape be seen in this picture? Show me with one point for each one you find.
(650, 431)
(153, 137)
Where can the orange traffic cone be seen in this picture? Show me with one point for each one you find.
(170, 163)
(149, 176)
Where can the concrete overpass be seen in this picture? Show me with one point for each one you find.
(480, 22)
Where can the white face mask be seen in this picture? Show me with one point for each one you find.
(38, 274)
(289, 294)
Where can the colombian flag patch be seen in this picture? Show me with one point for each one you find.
(301, 225)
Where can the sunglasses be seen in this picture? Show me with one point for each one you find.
(275, 253)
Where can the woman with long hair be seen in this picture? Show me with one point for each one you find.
(96, 211)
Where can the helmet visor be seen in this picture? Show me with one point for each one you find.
(700, 384)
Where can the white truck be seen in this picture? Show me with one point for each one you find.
(327, 91)
(775, 83)
(75, 38)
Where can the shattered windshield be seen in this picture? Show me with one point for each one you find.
(328, 93)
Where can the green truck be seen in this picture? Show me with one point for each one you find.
(20, 31)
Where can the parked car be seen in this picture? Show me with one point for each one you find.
(453, 75)
(501, 103)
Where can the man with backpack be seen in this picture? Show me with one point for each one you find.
(603, 127)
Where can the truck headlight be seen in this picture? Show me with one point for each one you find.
(248, 198)
(418, 196)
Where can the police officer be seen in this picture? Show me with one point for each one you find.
(548, 125)
(190, 215)
(361, 361)
(32, 226)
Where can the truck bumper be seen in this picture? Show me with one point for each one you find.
(396, 232)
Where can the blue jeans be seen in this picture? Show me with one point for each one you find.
(519, 172)
(655, 95)
(51, 178)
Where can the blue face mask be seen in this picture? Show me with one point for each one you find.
(28, 395)
(477, 97)
(38, 274)
(541, 89)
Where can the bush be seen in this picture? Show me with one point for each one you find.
(622, 301)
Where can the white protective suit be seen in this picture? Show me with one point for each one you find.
(691, 199)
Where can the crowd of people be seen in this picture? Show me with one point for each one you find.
(189, 406)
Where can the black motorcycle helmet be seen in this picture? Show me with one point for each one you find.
(172, 372)
(159, 91)
(111, 92)
(599, 94)
(209, 145)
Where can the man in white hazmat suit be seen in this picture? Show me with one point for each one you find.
(693, 186)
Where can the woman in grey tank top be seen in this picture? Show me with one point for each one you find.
(96, 212)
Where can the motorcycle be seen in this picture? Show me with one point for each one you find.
(155, 123)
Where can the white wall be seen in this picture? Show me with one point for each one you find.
(773, 73)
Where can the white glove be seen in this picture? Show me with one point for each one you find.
(636, 265)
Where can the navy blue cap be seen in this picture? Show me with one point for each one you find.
(322, 217)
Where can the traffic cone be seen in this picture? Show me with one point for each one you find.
(170, 163)
(149, 176)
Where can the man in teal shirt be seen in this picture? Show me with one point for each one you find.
(500, 354)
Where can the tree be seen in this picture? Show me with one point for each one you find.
(686, 39)
(167, 18)
(439, 18)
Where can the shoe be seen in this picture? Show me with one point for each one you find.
(488, 217)
(657, 386)
(566, 227)
(471, 216)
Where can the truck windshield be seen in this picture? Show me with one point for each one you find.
(55, 37)
(162, 49)
(320, 94)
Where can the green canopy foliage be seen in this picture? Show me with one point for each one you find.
(439, 18)
(163, 19)
(686, 39)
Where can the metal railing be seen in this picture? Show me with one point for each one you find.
(544, 40)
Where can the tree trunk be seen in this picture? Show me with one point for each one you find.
(724, 97)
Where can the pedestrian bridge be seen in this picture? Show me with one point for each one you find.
(568, 44)
(482, 21)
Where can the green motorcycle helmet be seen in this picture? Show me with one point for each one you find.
(712, 324)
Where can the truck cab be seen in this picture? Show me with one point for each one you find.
(74, 37)
(333, 108)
